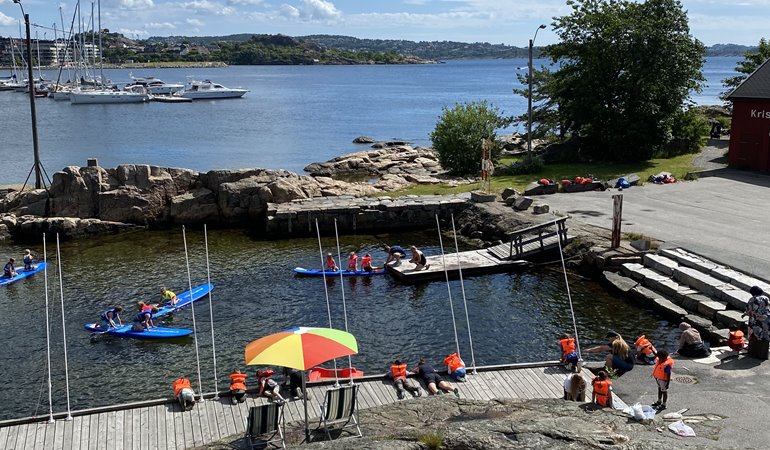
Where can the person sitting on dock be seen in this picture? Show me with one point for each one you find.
(569, 356)
(268, 387)
(166, 296)
(28, 260)
(9, 271)
(143, 320)
(352, 262)
(184, 393)
(237, 387)
(619, 360)
(418, 259)
(401, 382)
(433, 380)
(690, 342)
(602, 388)
(331, 266)
(395, 253)
(575, 388)
(455, 367)
(645, 351)
(110, 316)
(366, 263)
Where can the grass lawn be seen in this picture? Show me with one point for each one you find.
(678, 166)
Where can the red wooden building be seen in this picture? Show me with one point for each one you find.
(750, 129)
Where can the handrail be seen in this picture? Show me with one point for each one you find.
(540, 225)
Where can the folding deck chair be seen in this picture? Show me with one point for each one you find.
(265, 419)
(339, 408)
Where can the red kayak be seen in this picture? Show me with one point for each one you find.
(319, 373)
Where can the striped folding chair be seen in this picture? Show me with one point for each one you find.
(265, 419)
(339, 408)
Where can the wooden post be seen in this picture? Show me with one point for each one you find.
(617, 215)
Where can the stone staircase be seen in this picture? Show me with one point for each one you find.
(687, 287)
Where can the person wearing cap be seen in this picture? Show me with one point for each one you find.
(758, 312)
(690, 342)
(619, 358)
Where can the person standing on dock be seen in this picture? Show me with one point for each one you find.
(352, 262)
(662, 375)
(395, 253)
(758, 312)
(166, 296)
(418, 259)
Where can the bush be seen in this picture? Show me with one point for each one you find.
(688, 134)
(524, 166)
(432, 441)
(459, 133)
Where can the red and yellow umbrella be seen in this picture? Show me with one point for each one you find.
(301, 348)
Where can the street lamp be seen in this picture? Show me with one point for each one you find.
(529, 96)
(31, 86)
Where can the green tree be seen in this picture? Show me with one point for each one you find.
(625, 71)
(459, 133)
(751, 61)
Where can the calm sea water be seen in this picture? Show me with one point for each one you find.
(292, 116)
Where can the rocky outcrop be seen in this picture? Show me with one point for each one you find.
(401, 160)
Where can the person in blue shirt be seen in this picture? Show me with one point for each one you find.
(395, 253)
(143, 320)
(110, 316)
(9, 271)
(28, 260)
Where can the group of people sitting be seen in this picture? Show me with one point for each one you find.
(366, 263)
(9, 270)
(395, 254)
(143, 320)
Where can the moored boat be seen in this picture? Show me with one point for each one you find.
(103, 96)
(155, 86)
(207, 89)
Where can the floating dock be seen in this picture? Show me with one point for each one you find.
(161, 424)
(169, 99)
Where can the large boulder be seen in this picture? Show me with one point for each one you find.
(242, 200)
(75, 191)
(285, 190)
(197, 206)
(129, 204)
(34, 202)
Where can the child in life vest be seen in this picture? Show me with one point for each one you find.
(735, 339)
(645, 351)
(237, 387)
(268, 387)
(329, 264)
(602, 387)
(352, 262)
(399, 374)
(662, 375)
(569, 356)
(455, 367)
(184, 393)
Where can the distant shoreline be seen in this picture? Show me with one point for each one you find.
(152, 65)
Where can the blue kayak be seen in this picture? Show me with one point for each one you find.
(21, 273)
(152, 333)
(184, 300)
(301, 271)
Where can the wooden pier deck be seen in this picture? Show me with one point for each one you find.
(507, 257)
(160, 424)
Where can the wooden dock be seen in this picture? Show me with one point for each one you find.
(508, 257)
(160, 424)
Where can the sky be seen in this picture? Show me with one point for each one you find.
(510, 22)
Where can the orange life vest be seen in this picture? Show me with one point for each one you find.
(179, 384)
(645, 346)
(146, 307)
(366, 261)
(735, 339)
(398, 371)
(352, 262)
(567, 346)
(660, 368)
(238, 381)
(602, 391)
(454, 362)
(330, 264)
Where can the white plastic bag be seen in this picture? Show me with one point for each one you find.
(640, 412)
(681, 429)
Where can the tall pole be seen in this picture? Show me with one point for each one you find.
(31, 85)
(529, 95)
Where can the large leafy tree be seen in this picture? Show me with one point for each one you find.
(624, 74)
(751, 61)
(459, 133)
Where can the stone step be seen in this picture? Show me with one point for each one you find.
(687, 259)
(652, 299)
(699, 280)
(660, 263)
(730, 318)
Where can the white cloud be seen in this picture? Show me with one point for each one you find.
(132, 33)
(194, 22)
(244, 2)
(208, 7)
(312, 11)
(136, 4)
(5, 20)
(160, 26)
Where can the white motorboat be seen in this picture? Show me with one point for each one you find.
(207, 89)
(156, 86)
(135, 95)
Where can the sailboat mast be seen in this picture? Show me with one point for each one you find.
(101, 59)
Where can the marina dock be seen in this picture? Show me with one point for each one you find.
(507, 257)
(160, 424)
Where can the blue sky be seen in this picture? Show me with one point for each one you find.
(510, 22)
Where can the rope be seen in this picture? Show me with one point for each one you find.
(465, 302)
(192, 306)
(326, 292)
(571, 308)
(47, 336)
(449, 291)
(63, 328)
(342, 285)
(211, 311)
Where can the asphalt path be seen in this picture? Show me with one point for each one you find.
(725, 218)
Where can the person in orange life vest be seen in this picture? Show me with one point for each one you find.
(366, 263)
(455, 367)
(569, 355)
(662, 375)
(143, 306)
(602, 388)
(330, 264)
(184, 393)
(237, 387)
(401, 382)
(268, 387)
(352, 262)
(575, 388)
(735, 339)
(645, 351)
